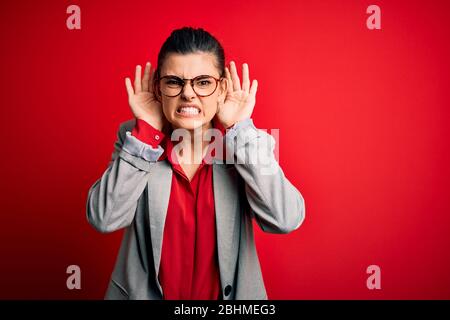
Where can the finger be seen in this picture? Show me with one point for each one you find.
(254, 87)
(129, 87)
(235, 77)
(146, 77)
(228, 78)
(137, 80)
(151, 79)
(245, 78)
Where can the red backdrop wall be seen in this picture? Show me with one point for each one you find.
(363, 135)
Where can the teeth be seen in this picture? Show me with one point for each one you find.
(189, 110)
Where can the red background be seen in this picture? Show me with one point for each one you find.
(363, 135)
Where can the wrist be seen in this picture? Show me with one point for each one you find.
(155, 124)
(146, 133)
(227, 124)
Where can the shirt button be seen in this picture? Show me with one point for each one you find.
(156, 137)
(227, 290)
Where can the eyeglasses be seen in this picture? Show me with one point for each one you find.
(203, 85)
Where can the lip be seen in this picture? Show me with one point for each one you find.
(189, 115)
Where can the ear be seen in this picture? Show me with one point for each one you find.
(156, 90)
(223, 88)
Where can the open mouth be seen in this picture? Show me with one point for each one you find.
(188, 110)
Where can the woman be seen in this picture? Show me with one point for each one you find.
(188, 222)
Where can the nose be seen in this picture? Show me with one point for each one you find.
(188, 92)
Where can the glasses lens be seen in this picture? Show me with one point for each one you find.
(204, 86)
(171, 86)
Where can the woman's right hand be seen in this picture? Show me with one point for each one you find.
(142, 99)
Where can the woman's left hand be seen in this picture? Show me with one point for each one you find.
(239, 101)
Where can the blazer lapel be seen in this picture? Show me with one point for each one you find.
(159, 186)
(227, 211)
(226, 201)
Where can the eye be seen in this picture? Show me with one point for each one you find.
(173, 82)
(203, 82)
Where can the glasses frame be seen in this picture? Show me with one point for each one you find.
(191, 83)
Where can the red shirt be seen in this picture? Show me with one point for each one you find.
(189, 267)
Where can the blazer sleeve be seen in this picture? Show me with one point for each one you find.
(113, 198)
(275, 203)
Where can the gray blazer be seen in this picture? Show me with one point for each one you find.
(133, 193)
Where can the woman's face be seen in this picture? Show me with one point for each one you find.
(188, 66)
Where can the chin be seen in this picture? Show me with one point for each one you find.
(188, 124)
